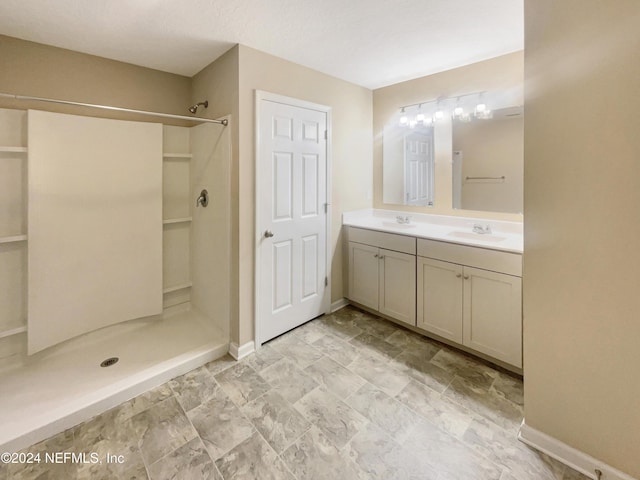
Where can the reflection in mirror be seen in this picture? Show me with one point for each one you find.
(408, 164)
(488, 165)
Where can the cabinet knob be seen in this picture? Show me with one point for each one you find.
(380, 257)
(458, 275)
(375, 256)
(466, 277)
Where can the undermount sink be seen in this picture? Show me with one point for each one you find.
(483, 237)
(398, 225)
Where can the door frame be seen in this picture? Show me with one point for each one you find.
(261, 95)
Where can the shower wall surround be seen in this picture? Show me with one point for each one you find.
(94, 222)
(13, 228)
(180, 171)
(176, 215)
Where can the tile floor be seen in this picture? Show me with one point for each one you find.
(346, 396)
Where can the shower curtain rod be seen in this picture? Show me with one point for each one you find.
(224, 122)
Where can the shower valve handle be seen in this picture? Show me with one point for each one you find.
(203, 199)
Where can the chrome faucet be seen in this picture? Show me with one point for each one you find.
(403, 220)
(481, 229)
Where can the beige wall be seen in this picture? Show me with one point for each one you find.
(503, 73)
(34, 69)
(581, 262)
(351, 156)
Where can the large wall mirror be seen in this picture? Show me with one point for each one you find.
(488, 166)
(485, 151)
(408, 164)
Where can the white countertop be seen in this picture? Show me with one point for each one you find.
(505, 236)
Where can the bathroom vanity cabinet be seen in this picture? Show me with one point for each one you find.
(466, 295)
(382, 273)
(471, 296)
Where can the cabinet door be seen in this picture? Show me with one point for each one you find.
(493, 314)
(398, 286)
(440, 298)
(363, 274)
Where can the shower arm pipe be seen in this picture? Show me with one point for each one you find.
(224, 121)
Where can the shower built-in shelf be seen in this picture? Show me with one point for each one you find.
(14, 149)
(13, 331)
(170, 221)
(185, 156)
(13, 239)
(175, 288)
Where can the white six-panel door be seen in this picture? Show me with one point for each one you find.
(418, 146)
(291, 222)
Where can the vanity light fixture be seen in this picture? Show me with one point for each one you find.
(460, 110)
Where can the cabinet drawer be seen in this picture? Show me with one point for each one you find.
(390, 241)
(503, 262)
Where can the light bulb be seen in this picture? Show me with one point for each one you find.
(458, 111)
(481, 107)
(439, 115)
(420, 117)
(403, 118)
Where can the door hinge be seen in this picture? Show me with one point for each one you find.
(326, 135)
(326, 281)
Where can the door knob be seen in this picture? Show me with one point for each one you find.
(268, 234)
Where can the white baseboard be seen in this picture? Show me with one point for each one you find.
(570, 456)
(338, 304)
(239, 352)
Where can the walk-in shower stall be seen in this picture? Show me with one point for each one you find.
(114, 259)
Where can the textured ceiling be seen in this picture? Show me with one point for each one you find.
(368, 42)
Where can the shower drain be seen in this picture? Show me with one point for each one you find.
(109, 361)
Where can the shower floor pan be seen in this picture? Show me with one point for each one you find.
(65, 385)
